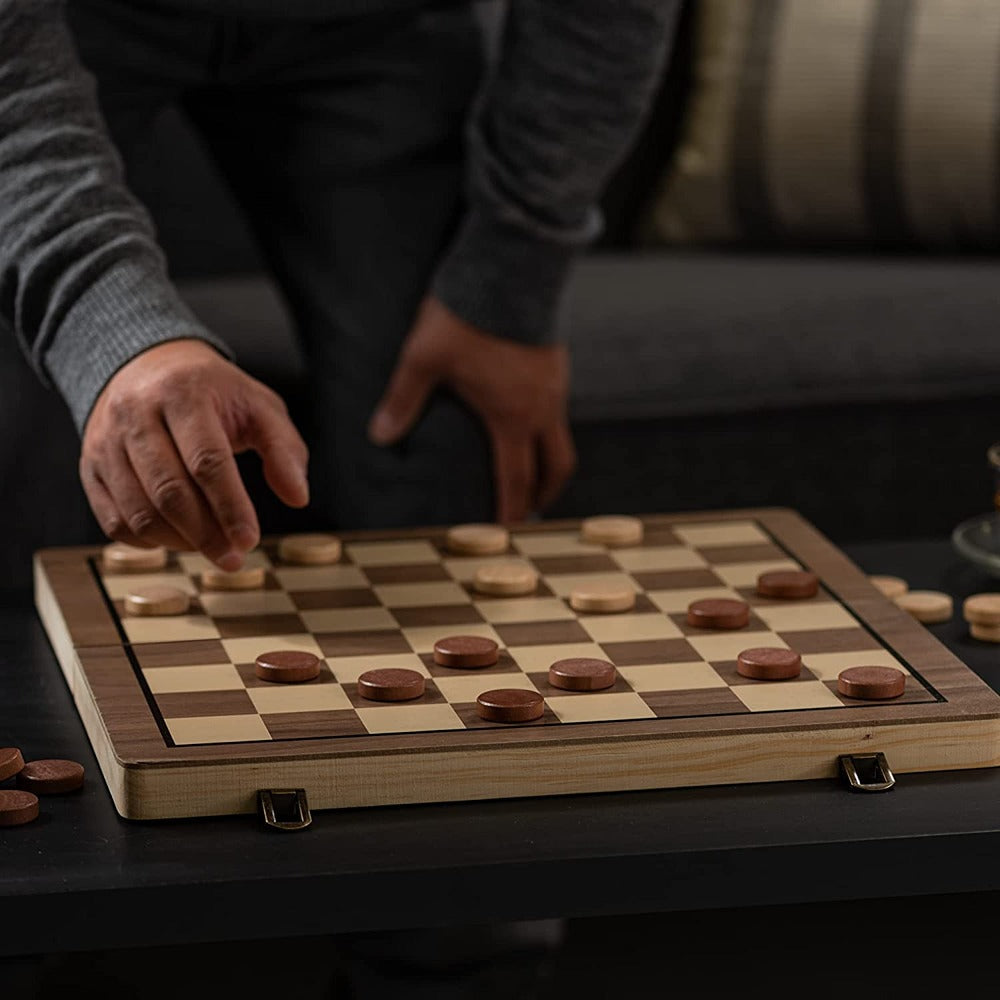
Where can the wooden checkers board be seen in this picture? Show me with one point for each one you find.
(183, 727)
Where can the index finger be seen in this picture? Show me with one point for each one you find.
(515, 474)
(208, 456)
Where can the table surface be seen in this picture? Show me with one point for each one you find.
(434, 865)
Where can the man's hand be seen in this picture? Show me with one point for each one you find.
(158, 459)
(520, 393)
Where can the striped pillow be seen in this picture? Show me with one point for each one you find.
(838, 124)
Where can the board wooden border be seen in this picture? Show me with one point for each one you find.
(150, 780)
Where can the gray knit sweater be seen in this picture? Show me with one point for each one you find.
(84, 286)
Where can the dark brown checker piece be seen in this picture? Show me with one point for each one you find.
(287, 666)
(582, 673)
(510, 705)
(769, 663)
(50, 776)
(718, 612)
(391, 684)
(11, 762)
(871, 682)
(788, 584)
(465, 651)
(17, 807)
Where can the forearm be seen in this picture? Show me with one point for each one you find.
(572, 85)
(83, 283)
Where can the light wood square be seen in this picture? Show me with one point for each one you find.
(197, 677)
(779, 696)
(724, 645)
(720, 533)
(195, 563)
(597, 707)
(458, 690)
(405, 553)
(826, 666)
(420, 595)
(629, 628)
(250, 602)
(423, 637)
(535, 658)
(409, 718)
(745, 574)
(347, 669)
(217, 729)
(299, 698)
(524, 609)
(563, 584)
(247, 649)
(675, 602)
(554, 543)
(348, 619)
(796, 617)
(672, 676)
(658, 557)
(120, 585)
(295, 578)
(170, 628)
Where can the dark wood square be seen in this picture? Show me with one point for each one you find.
(180, 654)
(726, 669)
(438, 614)
(597, 563)
(467, 712)
(696, 702)
(413, 573)
(192, 704)
(362, 643)
(505, 665)
(243, 626)
(541, 633)
(541, 681)
(754, 624)
(250, 679)
(677, 579)
(720, 555)
(337, 597)
(829, 640)
(630, 654)
(313, 725)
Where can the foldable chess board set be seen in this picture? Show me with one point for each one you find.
(182, 726)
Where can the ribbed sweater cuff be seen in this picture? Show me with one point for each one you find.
(129, 309)
(503, 281)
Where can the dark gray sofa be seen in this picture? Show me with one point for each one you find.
(861, 390)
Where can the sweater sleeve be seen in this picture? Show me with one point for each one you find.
(571, 86)
(83, 283)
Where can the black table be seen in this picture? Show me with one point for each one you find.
(81, 878)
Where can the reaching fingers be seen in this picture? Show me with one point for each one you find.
(283, 453)
(204, 457)
(514, 472)
(121, 505)
(557, 462)
(174, 485)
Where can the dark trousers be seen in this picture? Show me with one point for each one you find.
(342, 141)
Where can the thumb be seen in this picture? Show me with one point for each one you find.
(405, 397)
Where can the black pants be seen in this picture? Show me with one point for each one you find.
(343, 143)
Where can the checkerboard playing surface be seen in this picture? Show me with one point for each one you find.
(194, 694)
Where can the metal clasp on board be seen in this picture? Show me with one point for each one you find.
(866, 772)
(284, 808)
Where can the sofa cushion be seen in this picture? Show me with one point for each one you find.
(837, 123)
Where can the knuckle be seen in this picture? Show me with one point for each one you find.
(141, 522)
(168, 495)
(114, 527)
(206, 464)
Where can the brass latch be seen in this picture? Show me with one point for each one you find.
(284, 808)
(866, 772)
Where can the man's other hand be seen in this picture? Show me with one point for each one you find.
(519, 391)
(158, 461)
